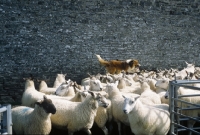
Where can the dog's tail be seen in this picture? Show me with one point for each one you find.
(102, 61)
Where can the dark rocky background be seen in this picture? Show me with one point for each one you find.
(46, 37)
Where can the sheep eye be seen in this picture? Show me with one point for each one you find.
(131, 102)
(163, 81)
(95, 83)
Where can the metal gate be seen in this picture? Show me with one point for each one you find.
(6, 119)
(177, 106)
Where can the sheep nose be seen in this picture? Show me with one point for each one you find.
(107, 105)
(125, 111)
(101, 88)
(54, 111)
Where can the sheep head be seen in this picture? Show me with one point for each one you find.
(129, 104)
(47, 105)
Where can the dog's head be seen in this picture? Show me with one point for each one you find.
(133, 63)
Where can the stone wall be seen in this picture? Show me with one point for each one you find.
(46, 37)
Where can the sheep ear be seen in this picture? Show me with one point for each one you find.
(83, 94)
(140, 80)
(137, 97)
(116, 82)
(123, 96)
(67, 81)
(31, 77)
(90, 75)
(92, 93)
(196, 77)
(45, 97)
(71, 83)
(155, 79)
(85, 87)
(107, 81)
(123, 74)
(39, 80)
(99, 95)
(39, 102)
(76, 88)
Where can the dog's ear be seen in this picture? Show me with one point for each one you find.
(131, 63)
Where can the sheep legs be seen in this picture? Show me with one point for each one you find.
(119, 127)
(87, 131)
(190, 124)
(105, 130)
(70, 132)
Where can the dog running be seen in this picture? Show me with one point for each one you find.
(117, 66)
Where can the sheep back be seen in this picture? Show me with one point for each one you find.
(74, 116)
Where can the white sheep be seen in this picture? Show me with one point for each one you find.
(128, 85)
(45, 89)
(85, 81)
(31, 95)
(183, 73)
(129, 89)
(75, 116)
(123, 82)
(103, 115)
(148, 96)
(106, 78)
(146, 119)
(151, 83)
(60, 78)
(190, 68)
(117, 103)
(191, 76)
(102, 78)
(93, 84)
(70, 90)
(162, 86)
(197, 71)
(66, 90)
(191, 99)
(35, 120)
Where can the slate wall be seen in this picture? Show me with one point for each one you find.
(46, 37)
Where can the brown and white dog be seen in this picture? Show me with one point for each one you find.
(117, 66)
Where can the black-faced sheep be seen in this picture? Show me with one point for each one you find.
(36, 120)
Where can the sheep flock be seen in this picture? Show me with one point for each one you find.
(137, 101)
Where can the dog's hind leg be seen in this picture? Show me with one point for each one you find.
(111, 70)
